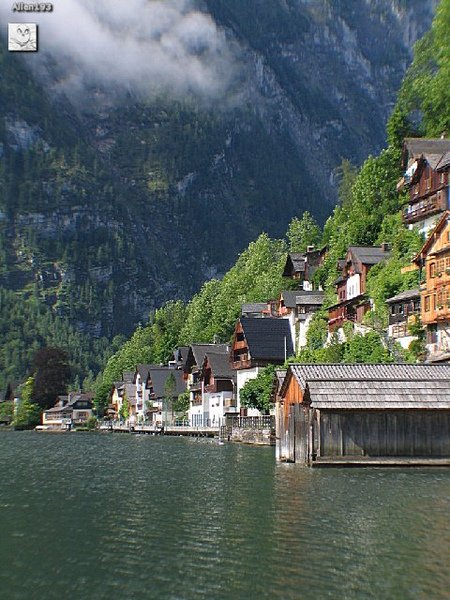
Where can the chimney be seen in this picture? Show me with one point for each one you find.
(385, 247)
(444, 134)
(310, 248)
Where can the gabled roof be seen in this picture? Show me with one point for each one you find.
(142, 371)
(444, 162)
(253, 307)
(369, 255)
(129, 389)
(305, 373)
(308, 298)
(295, 262)
(295, 298)
(80, 396)
(440, 225)
(289, 298)
(199, 351)
(432, 150)
(128, 376)
(268, 339)
(375, 394)
(220, 364)
(407, 295)
(180, 354)
(159, 376)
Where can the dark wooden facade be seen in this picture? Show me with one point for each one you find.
(351, 285)
(427, 166)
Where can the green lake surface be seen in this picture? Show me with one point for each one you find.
(119, 516)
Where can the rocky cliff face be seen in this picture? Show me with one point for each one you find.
(108, 209)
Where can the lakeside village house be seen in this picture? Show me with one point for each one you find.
(73, 410)
(328, 411)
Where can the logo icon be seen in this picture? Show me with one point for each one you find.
(22, 37)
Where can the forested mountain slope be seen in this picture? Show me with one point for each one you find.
(118, 198)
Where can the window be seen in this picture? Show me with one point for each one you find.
(427, 303)
(432, 269)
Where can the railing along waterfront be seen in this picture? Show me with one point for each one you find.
(262, 422)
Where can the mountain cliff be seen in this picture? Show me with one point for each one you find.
(115, 198)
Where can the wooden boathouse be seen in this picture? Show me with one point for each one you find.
(330, 414)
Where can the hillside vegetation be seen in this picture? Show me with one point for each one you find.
(369, 212)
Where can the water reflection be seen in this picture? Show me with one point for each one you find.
(111, 516)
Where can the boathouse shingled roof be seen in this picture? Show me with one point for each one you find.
(376, 394)
(268, 339)
(361, 372)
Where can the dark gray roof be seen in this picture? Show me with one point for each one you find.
(309, 298)
(268, 339)
(382, 372)
(253, 307)
(444, 162)
(289, 298)
(199, 351)
(301, 298)
(433, 150)
(220, 365)
(401, 394)
(369, 255)
(280, 374)
(128, 376)
(180, 354)
(295, 262)
(159, 376)
(130, 390)
(143, 370)
(407, 295)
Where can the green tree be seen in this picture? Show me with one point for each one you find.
(124, 411)
(181, 404)
(28, 412)
(256, 393)
(138, 349)
(170, 387)
(303, 232)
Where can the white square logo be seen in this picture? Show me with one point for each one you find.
(22, 37)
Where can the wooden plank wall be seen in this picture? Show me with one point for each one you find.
(409, 433)
(385, 433)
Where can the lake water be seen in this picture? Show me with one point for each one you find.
(117, 516)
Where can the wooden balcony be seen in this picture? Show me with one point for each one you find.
(426, 207)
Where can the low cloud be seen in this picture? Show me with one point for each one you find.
(145, 47)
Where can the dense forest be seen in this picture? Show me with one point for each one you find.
(368, 212)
